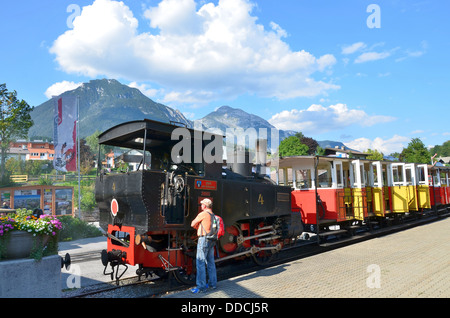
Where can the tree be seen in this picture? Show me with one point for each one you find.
(92, 143)
(15, 121)
(320, 151)
(86, 157)
(292, 146)
(442, 150)
(415, 152)
(311, 143)
(374, 155)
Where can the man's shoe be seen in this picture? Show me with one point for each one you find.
(197, 290)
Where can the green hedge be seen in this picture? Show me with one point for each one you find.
(74, 229)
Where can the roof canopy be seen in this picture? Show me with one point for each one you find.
(132, 134)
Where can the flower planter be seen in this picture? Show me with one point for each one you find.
(21, 243)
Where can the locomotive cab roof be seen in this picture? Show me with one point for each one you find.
(169, 148)
(156, 134)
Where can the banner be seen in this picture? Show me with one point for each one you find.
(65, 133)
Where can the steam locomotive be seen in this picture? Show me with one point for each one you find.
(147, 213)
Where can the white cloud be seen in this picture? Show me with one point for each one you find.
(318, 119)
(350, 49)
(60, 87)
(388, 146)
(414, 54)
(372, 56)
(216, 49)
(145, 89)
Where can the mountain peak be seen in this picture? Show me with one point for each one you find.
(105, 103)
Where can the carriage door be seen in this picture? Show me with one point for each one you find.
(377, 189)
(340, 192)
(423, 189)
(399, 189)
(358, 190)
(411, 184)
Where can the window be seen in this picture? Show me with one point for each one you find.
(339, 175)
(324, 174)
(397, 174)
(303, 179)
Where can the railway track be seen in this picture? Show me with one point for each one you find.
(156, 287)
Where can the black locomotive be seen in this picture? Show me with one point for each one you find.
(147, 213)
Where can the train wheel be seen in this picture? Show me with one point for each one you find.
(187, 275)
(263, 257)
(229, 242)
(185, 278)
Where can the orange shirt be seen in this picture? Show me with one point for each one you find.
(203, 218)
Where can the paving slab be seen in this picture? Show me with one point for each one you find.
(414, 263)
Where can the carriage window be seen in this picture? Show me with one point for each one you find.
(363, 175)
(397, 172)
(303, 179)
(340, 182)
(408, 177)
(281, 179)
(324, 173)
(443, 178)
(421, 175)
(289, 177)
(375, 176)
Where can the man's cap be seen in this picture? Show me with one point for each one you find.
(206, 202)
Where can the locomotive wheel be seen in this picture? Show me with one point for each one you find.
(228, 242)
(263, 257)
(183, 276)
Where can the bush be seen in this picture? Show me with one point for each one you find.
(73, 229)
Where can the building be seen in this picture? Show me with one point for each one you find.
(344, 152)
(444, 160)
(31, 150)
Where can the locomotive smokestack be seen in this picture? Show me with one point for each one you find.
(261, 156)
(239, 161)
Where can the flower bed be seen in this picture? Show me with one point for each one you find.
(44, 229)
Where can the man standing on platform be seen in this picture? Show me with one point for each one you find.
(205, 249)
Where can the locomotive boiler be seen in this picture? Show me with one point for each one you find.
(147, 212)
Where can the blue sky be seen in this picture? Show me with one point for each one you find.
(372, 74)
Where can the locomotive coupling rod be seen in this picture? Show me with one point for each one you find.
(268, 227)
(241, 239)
(248, 252)
(269, 238)
(252, 250)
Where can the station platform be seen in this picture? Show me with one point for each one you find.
(414, 263)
